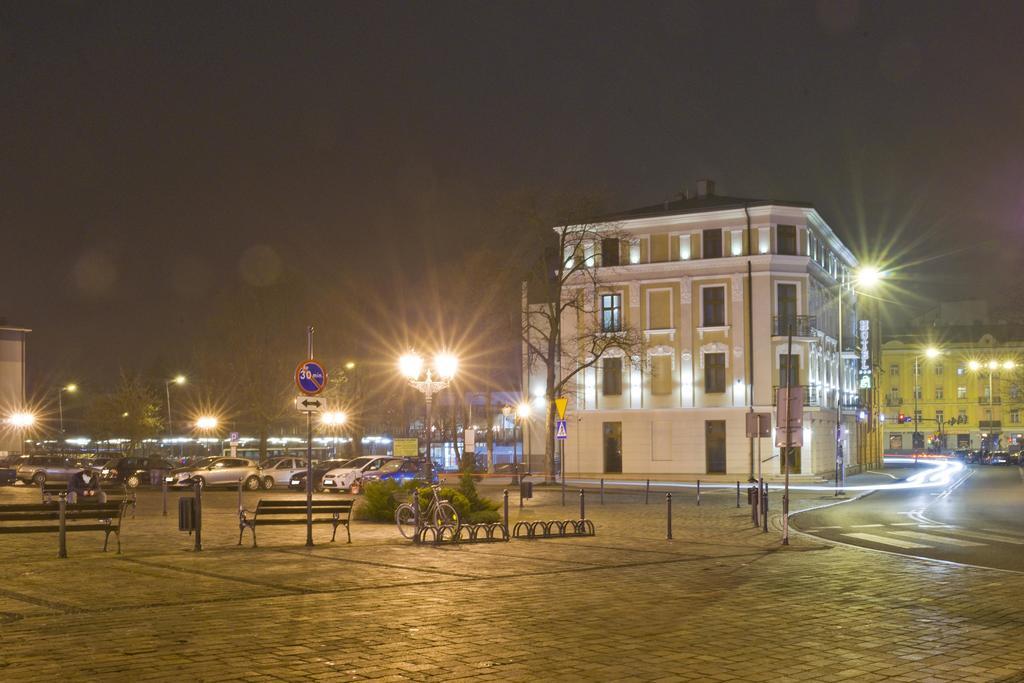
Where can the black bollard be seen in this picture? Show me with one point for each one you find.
(737, 495)
(755, 498)
(647, 493)
(62, 545)
(163, 486)
(764, 506)
(668, 517)
(198, 517)
(416, 516)
(504, 519)
(602, 490)
(698, 492)
(240, 503)
(583, 507)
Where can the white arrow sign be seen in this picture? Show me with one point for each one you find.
(310, 404)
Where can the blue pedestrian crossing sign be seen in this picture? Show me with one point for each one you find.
(561, 430)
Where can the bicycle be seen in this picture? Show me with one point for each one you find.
(440, 512)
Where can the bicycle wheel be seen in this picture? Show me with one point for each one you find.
(445, 515)
(405, 518)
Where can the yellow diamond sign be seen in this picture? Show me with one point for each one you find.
(560, 404)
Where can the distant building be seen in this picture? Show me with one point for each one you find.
(966, 393)
(12, 383)
(715, 339)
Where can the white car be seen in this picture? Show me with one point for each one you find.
(342, 478)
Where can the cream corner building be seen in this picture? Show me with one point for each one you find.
(715, 340)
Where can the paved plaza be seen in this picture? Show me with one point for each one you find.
(722, 601)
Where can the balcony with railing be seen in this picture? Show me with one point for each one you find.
(812, 398)
(984, 400)
(798, 325)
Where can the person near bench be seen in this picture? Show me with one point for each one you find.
(84, 483)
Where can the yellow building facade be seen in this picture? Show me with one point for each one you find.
(963, 388)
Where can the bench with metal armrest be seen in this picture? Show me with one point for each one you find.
(62, 517)
(293, 512)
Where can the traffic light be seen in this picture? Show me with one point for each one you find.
(901, 418)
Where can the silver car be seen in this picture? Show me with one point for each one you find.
(279, 471)
(38, 469)
(217, 472)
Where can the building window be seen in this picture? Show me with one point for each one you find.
(611, 312)
(961, 416)
(712, 244)
(939, 369)
(661, 375)
(894, 371)
(961, 370)
(917, 393)
(787, 306)
(1015, 415)
(612, 376)
(714, 373)
(961, 392)
(1014, 392)
(714, 306)
(938, 393)
(917, 417)
(940, 416)
(610, 252)
(787, 239)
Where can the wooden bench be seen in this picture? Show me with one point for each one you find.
(62, 517)
(52, 491)
(293, 512)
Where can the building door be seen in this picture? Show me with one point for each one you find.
(714, 446)
(794, 460)
(612, 447)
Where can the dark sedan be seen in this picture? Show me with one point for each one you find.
(298, 480)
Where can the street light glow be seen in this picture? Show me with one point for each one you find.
(974, 365)
(179, 379)
(932, 352)
(446, 365)
(334, 418)
(71, 388)
(206, 422)
(867, 277)
(410, 365)
(523, 410)
(993, 365)
(1009, 365)
(21, 419)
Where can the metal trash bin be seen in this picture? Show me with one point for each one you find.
(526, 489)
(187, 514)
(751, 494)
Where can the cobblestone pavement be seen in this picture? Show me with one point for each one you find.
(722, 601)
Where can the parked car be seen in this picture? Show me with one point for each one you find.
(1000, 458)
(298, 480)
(342, 478)
(218, 471)
(279, 471)
(399, 470)
(136, 470)
(38, 469)
(8, 474)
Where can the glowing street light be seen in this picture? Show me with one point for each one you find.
(179, 380)
(70, 388)
(445, 365)
(21, 419)
(207, 422)
(334, 418)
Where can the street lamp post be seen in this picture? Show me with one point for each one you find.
(991, 366)
(445, 365)
(179, 379)
(930, 352)
(71, 388)
(866, 277)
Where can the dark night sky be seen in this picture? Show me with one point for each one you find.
(151, 152)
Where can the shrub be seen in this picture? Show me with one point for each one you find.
(379, 501)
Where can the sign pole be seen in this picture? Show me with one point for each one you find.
(309, 453)
(789, 436)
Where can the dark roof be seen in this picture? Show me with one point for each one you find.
(710, 202)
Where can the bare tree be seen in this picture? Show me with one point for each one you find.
(131, 411)
(562, 330)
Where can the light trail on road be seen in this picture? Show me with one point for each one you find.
(940, 473)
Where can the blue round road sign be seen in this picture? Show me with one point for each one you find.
(310, 377)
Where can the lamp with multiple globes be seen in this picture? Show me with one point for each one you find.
(445, 365)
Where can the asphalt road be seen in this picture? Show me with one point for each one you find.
(978, 519)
